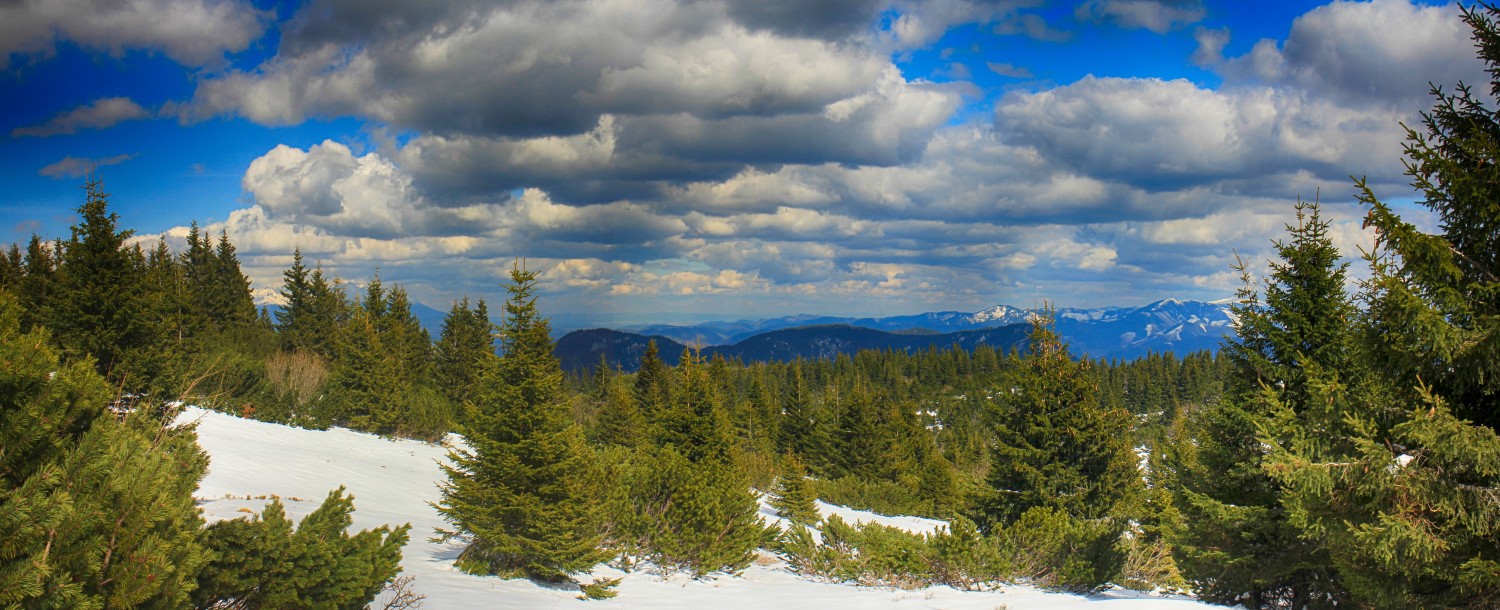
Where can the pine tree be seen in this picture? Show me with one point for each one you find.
(524, 493)
(1410, 514)
(620, 420)
(1239, 545)
(1054, 446)
(229, 289)
(94, 512)
(12, 268)
(262, 563)
(406, 339)
(653, 391)
(327, 311)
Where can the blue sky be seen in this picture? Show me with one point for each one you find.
(657, 158)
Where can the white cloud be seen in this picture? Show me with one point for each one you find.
(1382, 52)
(191, 32)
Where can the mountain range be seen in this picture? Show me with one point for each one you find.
(1106, 332)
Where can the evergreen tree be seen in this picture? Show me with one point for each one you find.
(462, 349)
(620, 420)
(804, 430)
(262, 563)
(794, 499)
(12, 268)
(1060, 459)
(327, 311)
(653, 391)
(291, 320)
(404, 336)
(98, 308)
(229, 296)
(524, 492)
(39, 284)
(1239, 545)
(95, 512)
(1409, 514)
(1054, 446)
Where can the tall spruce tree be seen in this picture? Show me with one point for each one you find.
(462, 349)
(1059, 458)
(38, 284)
(1239, 545)
(1410, 515)
(1054, 446)
(523, 494)
(98, 308)
(291, 320)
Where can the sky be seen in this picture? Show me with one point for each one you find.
(660, 160)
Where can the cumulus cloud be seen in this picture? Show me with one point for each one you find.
(78, 167)
(1383, 52)
(191, 32)
(1167, 135)
(1159, 16)
(98, 114)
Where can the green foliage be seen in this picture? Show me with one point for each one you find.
(1408, 508)
(1055, 448)
(263, 563)
(462, 349)
(524, 493)
(599, 588)
(97, 309)
(1239, 545)
(95, 511)
(1053, 549)
(794, 499)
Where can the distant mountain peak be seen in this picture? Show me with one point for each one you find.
(267, 296)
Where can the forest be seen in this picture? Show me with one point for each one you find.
(1340, 452)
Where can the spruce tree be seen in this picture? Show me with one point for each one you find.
(794, 499)
(1409, 515)
(653, 390)
(37, 287)
(620, 420)
(1061, 463)
(700, 513)
(1054, 447)
(98, 308)
(523, 493)
(327, 310)
(462, 349)
(229, 290)
(291, 320)
(1239, 545)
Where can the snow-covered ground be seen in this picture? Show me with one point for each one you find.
(393, 480)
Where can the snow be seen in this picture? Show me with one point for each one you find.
(393, 482)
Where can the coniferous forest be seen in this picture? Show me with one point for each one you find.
(1340, 452)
